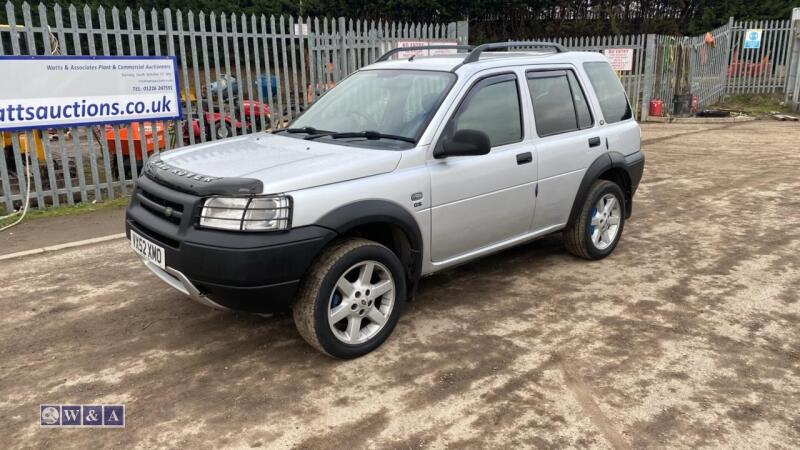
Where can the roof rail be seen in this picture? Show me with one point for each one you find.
(392, 52)
(475, 55)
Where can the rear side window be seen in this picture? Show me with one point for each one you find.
(581, 106)
(492, 106)
(610, 93)
(559, 105)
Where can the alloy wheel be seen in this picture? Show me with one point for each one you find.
(606, 217)
(361, 302)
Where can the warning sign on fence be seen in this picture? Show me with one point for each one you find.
(620, 58)
(752, 38)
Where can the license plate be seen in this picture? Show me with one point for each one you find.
(148, 250)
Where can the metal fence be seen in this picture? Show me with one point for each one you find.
(709, 66)
(684, 65)
(238, 74)
(244, 73)
(764, 69)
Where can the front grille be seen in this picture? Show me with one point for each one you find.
(158, 237)
(162, 201)
(161, 207)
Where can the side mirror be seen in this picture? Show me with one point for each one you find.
(464, 143)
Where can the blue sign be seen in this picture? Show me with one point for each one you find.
(104, 416)
(752, 38)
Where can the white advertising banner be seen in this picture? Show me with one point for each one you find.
(410, 53)
(620, 58)
(64, 91)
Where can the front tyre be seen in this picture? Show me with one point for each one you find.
(598, 228)
(351, 299)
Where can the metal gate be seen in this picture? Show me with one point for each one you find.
(759, 70)
(684, 65)
(708, 64)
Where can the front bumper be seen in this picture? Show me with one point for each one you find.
(255, 272)
(182, 284)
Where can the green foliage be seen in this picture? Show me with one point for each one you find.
(493, 19)
(78, 208)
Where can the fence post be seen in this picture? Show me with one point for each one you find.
(793, 68)
(343, 48)
(726, 61)
(462, 32)
(649, 75)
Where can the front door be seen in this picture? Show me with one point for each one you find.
(482, 200)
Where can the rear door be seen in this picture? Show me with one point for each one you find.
(568, 140)
(619, 129)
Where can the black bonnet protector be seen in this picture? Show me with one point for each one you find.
(199, 184)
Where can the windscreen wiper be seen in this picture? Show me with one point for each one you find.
(370, 135)
(306, 130)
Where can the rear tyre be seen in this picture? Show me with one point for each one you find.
(597, 230)
(351, 299)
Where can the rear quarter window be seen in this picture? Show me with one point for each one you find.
(609, 91)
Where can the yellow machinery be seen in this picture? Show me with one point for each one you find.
(24, 145)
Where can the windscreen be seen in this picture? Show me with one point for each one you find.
(391, 102)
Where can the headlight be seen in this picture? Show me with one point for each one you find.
(247, 213)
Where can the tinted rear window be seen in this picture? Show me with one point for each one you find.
(559, 105)
(610, 93)
(581, 107)
(553, 111)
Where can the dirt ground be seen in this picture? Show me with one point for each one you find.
(688, 336)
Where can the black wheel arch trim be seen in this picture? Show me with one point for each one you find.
(367, 212)
(604, 163)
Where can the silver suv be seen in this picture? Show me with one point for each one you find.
(406, 168)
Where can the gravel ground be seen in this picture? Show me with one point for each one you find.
(686, 337)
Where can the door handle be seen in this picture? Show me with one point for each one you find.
(594, 142)
(524, 158)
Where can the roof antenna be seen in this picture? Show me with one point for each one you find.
(412, 57)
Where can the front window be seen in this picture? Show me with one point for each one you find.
(492, 106)
(386, 104)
